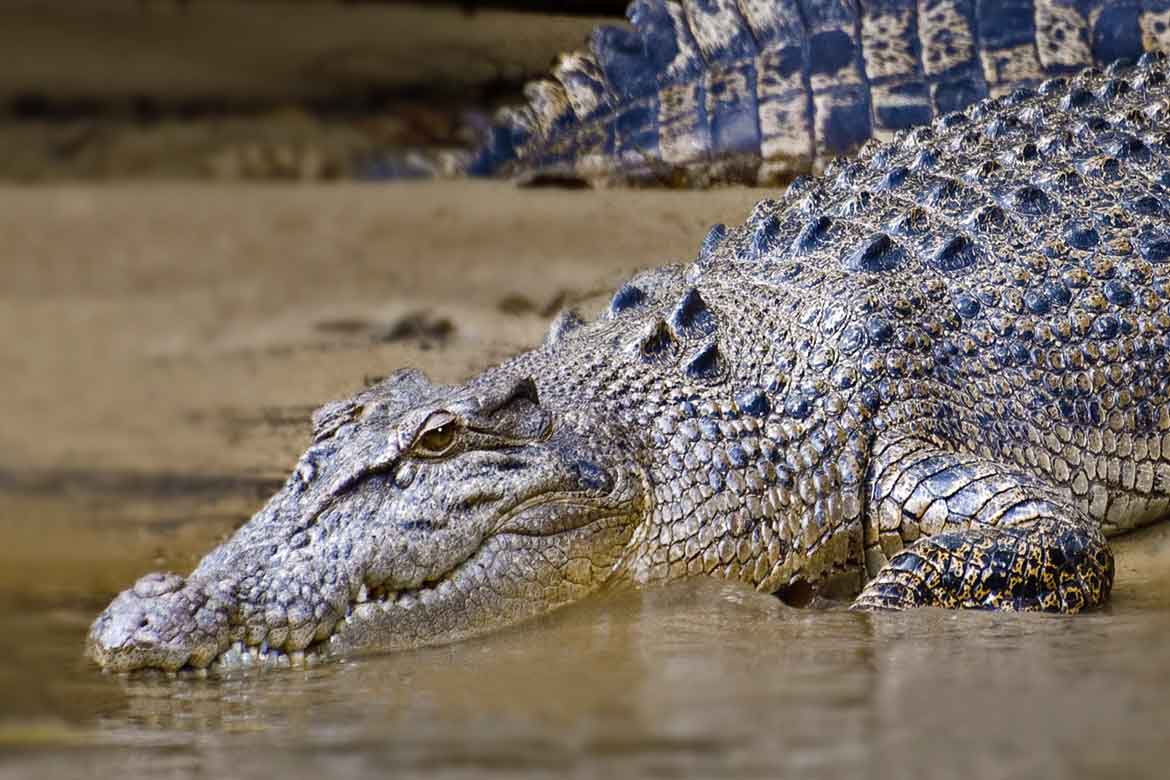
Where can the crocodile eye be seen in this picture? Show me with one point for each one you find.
(437, 435)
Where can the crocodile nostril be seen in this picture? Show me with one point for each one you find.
(157, 584)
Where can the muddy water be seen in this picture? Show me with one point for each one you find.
(162, 349)
(698, 678)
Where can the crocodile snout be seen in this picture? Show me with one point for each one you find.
(163, 622)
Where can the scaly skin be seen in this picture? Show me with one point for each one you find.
(938, 375)
(701, 92)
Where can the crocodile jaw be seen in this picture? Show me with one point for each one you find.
(366, 549)
(173, 624)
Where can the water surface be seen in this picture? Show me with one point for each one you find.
(701, 678)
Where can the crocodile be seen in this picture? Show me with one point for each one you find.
(938, 374)
(704, 92)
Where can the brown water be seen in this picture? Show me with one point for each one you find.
(156, 385)
(700, 678)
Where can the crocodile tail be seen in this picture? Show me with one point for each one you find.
(675, 88)
(757, 91)
(712, 90)
(569, 119)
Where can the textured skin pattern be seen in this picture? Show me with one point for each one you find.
(995, 536)
(937, 375)
(756, 91)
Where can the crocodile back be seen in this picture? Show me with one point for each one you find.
(999, 280)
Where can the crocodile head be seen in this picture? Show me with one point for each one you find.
(421, 514)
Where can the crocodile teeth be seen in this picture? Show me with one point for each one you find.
(367, 611)
(380, 594)
(241, 657)
(363, 594)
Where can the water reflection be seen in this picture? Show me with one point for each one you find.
(700, 678)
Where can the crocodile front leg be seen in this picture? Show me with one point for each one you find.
(980, 534)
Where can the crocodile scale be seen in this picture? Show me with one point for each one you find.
(978, 311)
(756, 91)
(939, 374)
